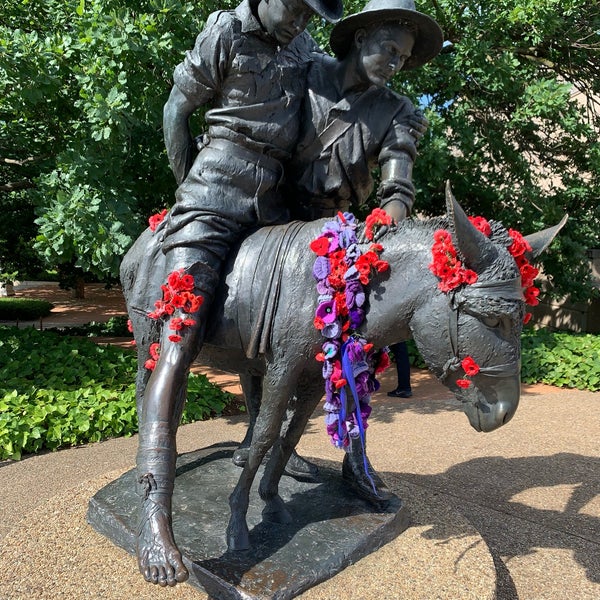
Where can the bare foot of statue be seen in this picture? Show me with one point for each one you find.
(159, 558)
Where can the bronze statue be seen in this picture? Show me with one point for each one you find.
(351, 124)
(184, 288)
(248, 66)
(481, 321)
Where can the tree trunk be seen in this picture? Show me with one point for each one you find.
(79, 289)
(7, 289)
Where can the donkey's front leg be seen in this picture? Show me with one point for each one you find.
(266, 430)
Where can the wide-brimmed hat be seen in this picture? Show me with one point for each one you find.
(331, 10)
(429, 36)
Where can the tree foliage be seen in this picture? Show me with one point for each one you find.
(514, 125)
(83, 85)
(513, 101)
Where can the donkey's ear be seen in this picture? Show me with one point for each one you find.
(540, 240)
(477, 250)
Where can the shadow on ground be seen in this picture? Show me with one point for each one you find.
(520, 505)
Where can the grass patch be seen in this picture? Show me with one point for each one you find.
(58, 391)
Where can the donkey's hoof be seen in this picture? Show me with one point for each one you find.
(275, 511)
(238, 538)
(240, 456)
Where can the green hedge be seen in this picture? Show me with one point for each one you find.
(58, 391)
(114, 327)
(569, 360)
(557, 358)
(23, 309)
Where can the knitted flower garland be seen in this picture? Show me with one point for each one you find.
(341, 270)
(177, 295)
(377, 218)
(155, 220)
(471, 368)
(448, 268)
(528, 272)
(446, 265)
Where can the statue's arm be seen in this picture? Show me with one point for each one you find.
(178, 139)
(396, 192)
(198, 79)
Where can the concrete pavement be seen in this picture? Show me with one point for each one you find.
(513, 514)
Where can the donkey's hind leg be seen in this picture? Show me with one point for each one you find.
(301, 407)
(276, 391)
(252, 389)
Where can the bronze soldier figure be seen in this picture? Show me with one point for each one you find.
(248, 67)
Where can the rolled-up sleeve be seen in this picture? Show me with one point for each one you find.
(398, 152)
(200, 74)
(398, 141)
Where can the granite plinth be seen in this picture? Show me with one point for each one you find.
(331, 527)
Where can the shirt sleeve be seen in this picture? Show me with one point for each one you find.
(400, 147)
(200, 75)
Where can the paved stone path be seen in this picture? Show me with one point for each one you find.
(513, 514)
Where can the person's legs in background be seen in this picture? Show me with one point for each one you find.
(403, 389)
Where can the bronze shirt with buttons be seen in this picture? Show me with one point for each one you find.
(328, 173)
(254, 89)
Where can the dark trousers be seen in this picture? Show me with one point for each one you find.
(400, 351)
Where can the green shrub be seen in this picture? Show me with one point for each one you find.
(562, 359)
(58, 391)
(114, 327)
(23, 309)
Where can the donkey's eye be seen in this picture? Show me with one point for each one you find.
(491, 322)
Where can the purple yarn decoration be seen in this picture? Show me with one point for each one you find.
(321, 268)
(340, 307)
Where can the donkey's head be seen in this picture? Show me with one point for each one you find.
(469, 334)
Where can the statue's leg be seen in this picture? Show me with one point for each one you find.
(300, 409)
(297, 466)
(266, 430)
(146, 332)
(159, 559)
(252, 390)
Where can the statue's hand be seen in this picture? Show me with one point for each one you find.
(377, 234)
(417, 125)
(382, 230)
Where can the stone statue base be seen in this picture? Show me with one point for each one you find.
(332, 528)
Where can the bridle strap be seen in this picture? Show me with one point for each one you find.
(454, 363)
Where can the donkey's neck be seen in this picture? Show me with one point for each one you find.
(395, 295)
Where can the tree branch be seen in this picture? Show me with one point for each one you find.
(24, 161)
(13, 186)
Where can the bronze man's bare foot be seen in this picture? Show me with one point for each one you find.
(159, 559)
